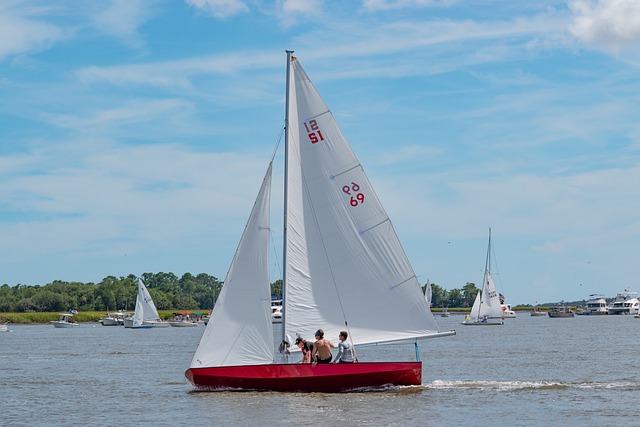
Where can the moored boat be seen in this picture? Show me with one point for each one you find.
(114, 319)
(276, 311)
(626, 302)
(65, 320)
(538, 313)
(560, 311)
(597, 305)
(183, 320)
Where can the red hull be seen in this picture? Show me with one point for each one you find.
(298, 377)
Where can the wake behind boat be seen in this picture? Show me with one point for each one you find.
(341, 257)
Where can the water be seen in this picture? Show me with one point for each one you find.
(532, 370)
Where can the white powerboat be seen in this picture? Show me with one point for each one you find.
(4, 327)
(507, 312)
(183, 320)
(276, 311)
(114, 319)
(597, 305)
(65, 320)
(625, 303)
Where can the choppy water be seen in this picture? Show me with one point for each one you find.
(580, 371)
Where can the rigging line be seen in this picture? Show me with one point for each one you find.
(275, 252)
(279, 140)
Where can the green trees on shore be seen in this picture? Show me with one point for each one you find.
(167, 290)
(459, 298)
(113, 293)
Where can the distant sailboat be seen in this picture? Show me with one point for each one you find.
(146, 316)
(344, 269)
(486, 308)
(428, 293)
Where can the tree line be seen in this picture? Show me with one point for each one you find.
(459, 298)
(168, 291)
(113, 293)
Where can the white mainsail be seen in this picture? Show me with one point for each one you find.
(345, 267)
(145, 308)
(490, 306)
(240, 331)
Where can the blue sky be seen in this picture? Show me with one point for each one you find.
(134, 134)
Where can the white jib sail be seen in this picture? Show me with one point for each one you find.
(240, 331)
(475, 309)
(345, 263)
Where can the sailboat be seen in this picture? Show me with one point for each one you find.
(146, 316)
(344, 269)
(428, 293)
(486, 308)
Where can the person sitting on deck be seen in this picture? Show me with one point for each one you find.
(321, 352)
(345, 352)
(306, 348)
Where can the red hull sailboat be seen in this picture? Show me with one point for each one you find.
(305, 378)
(344, 270)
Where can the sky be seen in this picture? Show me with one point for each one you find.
(134, 134)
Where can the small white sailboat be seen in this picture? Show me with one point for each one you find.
(342, 262)
(428, 293)
(146, 316)
(486, 308)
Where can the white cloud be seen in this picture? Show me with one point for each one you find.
(386, 5)
(22, 31)
(121, 19)
(611, 25)
(219, 8)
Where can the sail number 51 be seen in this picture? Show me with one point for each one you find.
(313, 131)
(352, 190)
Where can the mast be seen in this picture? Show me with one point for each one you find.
(487, 266)
(286, 183)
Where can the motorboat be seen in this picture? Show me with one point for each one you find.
(507, 312)
(597, 305)
(276, 311)
(114, 319)
(65, 320)
(626, 302)
(4, 327)
(538, 313)
(182, 320)
(560, 311)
